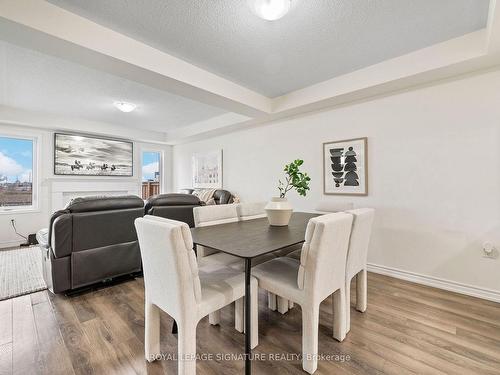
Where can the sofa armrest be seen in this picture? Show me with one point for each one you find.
(223, 197)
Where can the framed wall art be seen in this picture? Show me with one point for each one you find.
(207, 169)
(345, 167)
(78, 155)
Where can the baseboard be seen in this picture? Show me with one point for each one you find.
(7, 244)
(469, 290)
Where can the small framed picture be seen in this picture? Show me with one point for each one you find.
(207, 170)
(345, 167)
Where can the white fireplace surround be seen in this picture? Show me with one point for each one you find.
(62, 191)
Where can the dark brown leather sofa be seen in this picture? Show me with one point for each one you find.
(175, 206)
(93, 239)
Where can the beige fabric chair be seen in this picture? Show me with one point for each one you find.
(356, 259)
(174, 283)
(251, 210)
(333, 206)
(256, 210)
(320, 272)
(223, 214)
(325, 207)
(212, 215)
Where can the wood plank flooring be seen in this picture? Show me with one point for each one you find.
(408, 329)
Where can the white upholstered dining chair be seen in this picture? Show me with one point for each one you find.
(357, 259)
(334, 206)
(222, 214)
(212, 215)
(174, 283)
(256, 210)
(251, 210)
(320, 272)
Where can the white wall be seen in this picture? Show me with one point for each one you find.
(434, 172)
(31, 222)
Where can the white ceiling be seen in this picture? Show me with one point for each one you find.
(316, 41)
(38, 82)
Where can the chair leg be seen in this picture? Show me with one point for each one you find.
(214, 318)
(282, 305)
(186, 348)
(254, 314)
(271, 301)
(310, 322)
(339, 314)
(361, 291)
(151, 331)
(239, 315)
(347, 306)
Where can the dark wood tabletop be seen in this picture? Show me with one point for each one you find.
(251, 238)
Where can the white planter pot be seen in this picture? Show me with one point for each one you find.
(279, 211)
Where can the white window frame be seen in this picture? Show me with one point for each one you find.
(34, 207)
(160, 167)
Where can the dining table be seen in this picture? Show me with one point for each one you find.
(249, 239)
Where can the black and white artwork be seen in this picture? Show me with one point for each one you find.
(88, 156)
(345, 167)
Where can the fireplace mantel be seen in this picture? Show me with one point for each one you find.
(63, 190)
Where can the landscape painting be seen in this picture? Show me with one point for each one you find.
(77, 155)
(345, 167)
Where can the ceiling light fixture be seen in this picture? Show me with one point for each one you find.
(124, 106)
(271, 10)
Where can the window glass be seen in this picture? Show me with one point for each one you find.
(16, 172)
(151, 177)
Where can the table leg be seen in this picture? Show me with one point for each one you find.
(248, 327)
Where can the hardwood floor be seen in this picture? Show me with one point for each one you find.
(408, 329)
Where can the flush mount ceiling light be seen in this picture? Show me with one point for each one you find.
(270, 10)
(124, 106)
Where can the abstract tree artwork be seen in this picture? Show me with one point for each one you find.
(345, 167)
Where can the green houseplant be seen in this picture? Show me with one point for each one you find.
(295, 179)
(279, 210)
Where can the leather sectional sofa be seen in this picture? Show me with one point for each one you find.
(94, 239)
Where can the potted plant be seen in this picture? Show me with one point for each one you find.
(279, 210)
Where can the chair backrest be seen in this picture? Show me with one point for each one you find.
(329, 206)
(213, 215)
(324, 253)
(251, 210)
(359, 241)
(170, 269)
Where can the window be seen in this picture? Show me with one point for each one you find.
(151, 175)
(16, 173)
